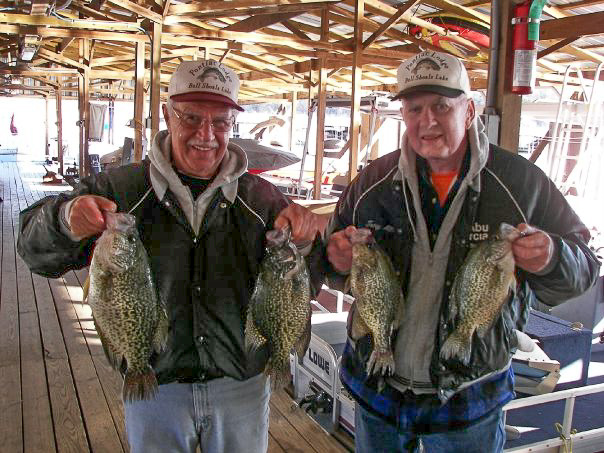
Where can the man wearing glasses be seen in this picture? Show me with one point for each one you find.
(202, 219)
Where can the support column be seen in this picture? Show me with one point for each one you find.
(321, 110)
(139, 102)
(507, 104)
(59, 99)
(357, 73)
(156, 79)
(292, 120)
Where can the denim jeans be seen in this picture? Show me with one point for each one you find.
(221, 415)
(374, 435)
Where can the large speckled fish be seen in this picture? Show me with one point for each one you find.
(279, 311)
(129, 318)
(480, 289)
(379, 302)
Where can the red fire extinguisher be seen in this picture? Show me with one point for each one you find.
(525, 52)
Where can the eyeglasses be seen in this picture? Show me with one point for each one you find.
(193, 121)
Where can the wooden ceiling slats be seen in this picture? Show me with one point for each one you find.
(273, 44)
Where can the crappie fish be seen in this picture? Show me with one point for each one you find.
(129, 318)
(379, 301)
(480, 289)
(279, 311)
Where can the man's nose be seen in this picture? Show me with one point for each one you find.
(427, 116)
(205, 130)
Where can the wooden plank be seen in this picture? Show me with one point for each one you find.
(257, 22)
(554, 47)
(110, 380)
(310, 430)
(273, 445)
(44, 21)
(286, 435)
(102, 433)
(68, 426)
(566, 27)
(37, 421)
(198, 7)
(138, 9)
(11, 427)
(389, 23)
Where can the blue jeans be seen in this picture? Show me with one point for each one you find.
(374, 435)
(221, 415)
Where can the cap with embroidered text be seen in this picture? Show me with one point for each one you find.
(204, 80)
(434, 72)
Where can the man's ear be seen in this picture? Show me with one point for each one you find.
(164, 109)
(470, 113)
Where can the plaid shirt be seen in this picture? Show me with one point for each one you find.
(424, 413)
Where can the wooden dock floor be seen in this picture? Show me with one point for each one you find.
(57, 391)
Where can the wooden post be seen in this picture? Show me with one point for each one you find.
(292, 120)
(46, 142)
(59, 96)
(155, 76)
(321, 109)
(357, 73)
(83, 100)
(139, 102)
(507, 104)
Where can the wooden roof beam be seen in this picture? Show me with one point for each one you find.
(245, 5)
(43, 21)
(554, 47)
(39, 7)
(566, 27)
(257, 22)
(389, 23)
(60, 59)
(138, 9)
(253, 38)
(579, 4)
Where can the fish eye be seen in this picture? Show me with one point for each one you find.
(131, 238)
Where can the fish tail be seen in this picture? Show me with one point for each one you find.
(139, 386)
(280, 373)
(381, 362)
(457, 346)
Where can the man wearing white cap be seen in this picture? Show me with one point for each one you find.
(202, 219)
(427, 204)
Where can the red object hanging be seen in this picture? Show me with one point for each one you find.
(13, 128)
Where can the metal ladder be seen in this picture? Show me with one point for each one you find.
(580, 119)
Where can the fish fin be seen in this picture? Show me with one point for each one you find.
(358, 328)
(160, 337)
(253, 337)
(458, 345)
(86, 288)
(454, 298)
(113, 357)
(139, 386)
(280, 372)
(301, 345)
(380, 362)
(347, 285)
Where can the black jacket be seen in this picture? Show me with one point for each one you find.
(510, 187)
(205, 281)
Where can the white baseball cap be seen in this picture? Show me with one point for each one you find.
(204, 80)
(435, 72)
